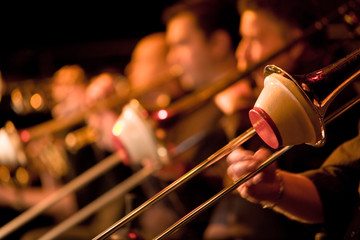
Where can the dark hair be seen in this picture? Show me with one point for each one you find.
(294, 13)
(210, 15)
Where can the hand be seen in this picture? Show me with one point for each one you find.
(239, 96)
(262, 187)
(100, 87)
(102, 123)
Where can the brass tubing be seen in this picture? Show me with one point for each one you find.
(70, 187)
(55, 125)
(113, 194)
(113, 101)
(246, 177)
(201, 96)
(189, 101)
(222, 193)
(236, 142)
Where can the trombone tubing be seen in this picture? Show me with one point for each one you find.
(236, 142)
(199, 97)
(222, 193)
(111, 195)
(112, 101)
(212, 159)
(247, 176)
(70, 187)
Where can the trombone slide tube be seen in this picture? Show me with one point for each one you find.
(222, 193)
(113, 194)
(247, 176)
(72, 186)
(236, 142)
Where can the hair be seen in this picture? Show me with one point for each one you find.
(293, 13)
(210, 16)
(70, 74)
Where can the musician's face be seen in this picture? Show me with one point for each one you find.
(190, 50)
(148, 62)
(263, 35)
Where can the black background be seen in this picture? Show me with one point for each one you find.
(37, 40)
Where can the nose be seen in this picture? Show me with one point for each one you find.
(242, 54)
(171, 57)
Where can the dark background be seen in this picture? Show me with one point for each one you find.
(37, 40)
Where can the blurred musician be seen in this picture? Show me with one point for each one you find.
(201, 36)
(100, 121)
(86, 143)
(149, 79)
(150, 73)
(265, 28)
(48, 158)
(68, 90)
(202, 43)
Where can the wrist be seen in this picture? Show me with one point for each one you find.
(279, 193)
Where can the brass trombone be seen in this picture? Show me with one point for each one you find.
(182, 106)
(241, 180)
(347, 67)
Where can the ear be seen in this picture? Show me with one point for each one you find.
(221, 44)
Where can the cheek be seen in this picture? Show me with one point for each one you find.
(272, 45)
(184, 57)
(201, 58)
(257, 52)
(139, 75)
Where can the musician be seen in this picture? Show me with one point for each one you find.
(201, 43)
(107, 84)
(71, 85)
(328, 195)
(148, 78)
(201, 36)
(68, 90)
(150, 74)
(48, 160)
(265, 28)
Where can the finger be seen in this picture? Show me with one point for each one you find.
(239, 155)
(243, 192)
(257, 178)
(269, 172)
(232, 173)
(253, 164)
(237, 169)
(262, 154)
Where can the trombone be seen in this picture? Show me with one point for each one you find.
(222, 152)
(350, 63)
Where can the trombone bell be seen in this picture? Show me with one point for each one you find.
(135, 136)
(283, 115)
(291, 111)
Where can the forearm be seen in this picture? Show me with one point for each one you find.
(300, 199)
(24, 198)
(292, 194)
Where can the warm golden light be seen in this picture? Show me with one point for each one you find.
(118, 127)
(163, 100)
(36, 101)
(10, 127)
(162, 114)
(70, 140)
(4, 174)
(22, 176)
(17, 99)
